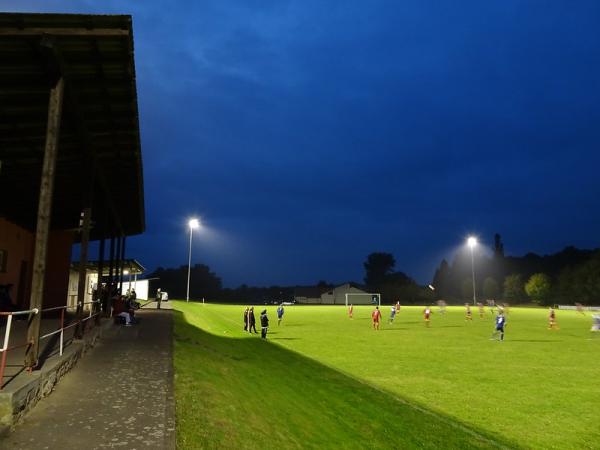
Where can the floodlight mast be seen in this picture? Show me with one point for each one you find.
(193, 224)
(472, 242)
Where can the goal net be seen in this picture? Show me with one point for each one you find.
(363, 298)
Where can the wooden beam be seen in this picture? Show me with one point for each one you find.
(43, 222)
(5, 31)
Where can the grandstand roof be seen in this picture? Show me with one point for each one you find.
(99, 129)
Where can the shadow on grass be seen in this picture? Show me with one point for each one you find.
(249, 393)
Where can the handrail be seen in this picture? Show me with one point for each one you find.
(19, 313)
(62, 327)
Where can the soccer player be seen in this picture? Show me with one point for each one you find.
(481, 310)
(468, 313)
(579, 308)
(350, 310)
(392, 314)
(280, 312)
(500, 323)
(552, 325)
(595, 323)
(427, 315)
(376, 317)
(442, 306)
(264, 324)
(398, 306)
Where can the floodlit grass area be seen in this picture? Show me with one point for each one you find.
(322, 380)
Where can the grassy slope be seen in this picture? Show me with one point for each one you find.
(535, 386)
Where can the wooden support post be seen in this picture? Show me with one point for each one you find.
(84, 223)
(122, 262)
(109, 282)
(42, 231)
(111, 263)
(99, 294)
(118, 264)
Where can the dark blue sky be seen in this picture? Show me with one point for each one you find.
(308, 134)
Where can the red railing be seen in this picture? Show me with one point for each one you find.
(6, 347)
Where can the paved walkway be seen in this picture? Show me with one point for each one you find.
(120, 394)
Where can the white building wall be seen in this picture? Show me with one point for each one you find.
(338, 295)
(91, 279)
(140, 286)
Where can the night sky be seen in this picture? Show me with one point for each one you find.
(307, 134)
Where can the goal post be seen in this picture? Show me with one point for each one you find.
(365, 298)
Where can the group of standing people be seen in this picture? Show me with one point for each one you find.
(250, 320)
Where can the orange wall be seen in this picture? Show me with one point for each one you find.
(18, 242)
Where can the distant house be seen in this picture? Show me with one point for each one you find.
(337, 295)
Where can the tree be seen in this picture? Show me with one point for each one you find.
(498, 247)
(581, 283)
(467, 289)
(490, 288)
(538, 287)
(203, 282)
(377, 266)
(513, 288)
(441, 279)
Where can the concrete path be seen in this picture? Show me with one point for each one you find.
(120, 395)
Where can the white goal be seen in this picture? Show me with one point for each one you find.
(363, 298)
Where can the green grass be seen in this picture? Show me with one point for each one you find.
(324, 381)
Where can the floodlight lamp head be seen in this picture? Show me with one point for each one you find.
(194, 223)
(472, 241)
(126, 272)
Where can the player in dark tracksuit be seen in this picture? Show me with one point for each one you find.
(264, 324)
(251, 320)
(500, 323)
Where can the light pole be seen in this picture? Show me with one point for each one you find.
(472, 242)
(193, 224)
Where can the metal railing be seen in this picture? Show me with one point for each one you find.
(60, 330)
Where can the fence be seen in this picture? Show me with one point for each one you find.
(574, 307)
(95, 310)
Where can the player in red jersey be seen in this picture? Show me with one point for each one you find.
(376, 317)
(552, 325)
(427, 315)
(350, 310)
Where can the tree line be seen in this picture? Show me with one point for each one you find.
(569, 276)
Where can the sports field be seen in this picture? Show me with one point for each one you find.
(322, 380)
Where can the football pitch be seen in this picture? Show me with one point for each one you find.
(322, 380)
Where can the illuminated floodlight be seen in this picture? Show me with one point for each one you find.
(472, 241)
(193, 224)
